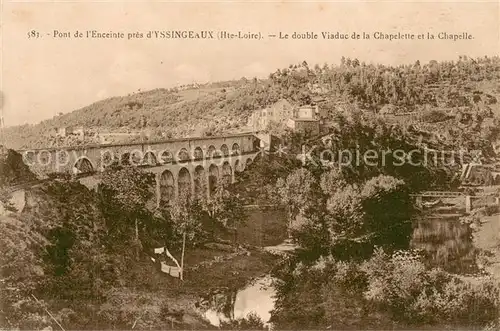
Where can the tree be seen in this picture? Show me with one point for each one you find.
(332, 181)
(22, 274)
(125, 193)
(251, 322)
(224, 209)
(388, 209)
(376, 213)
(296, 192)
(184, 214)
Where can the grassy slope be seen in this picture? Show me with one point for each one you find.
(213, 108)
(174, 113)
(141, 294)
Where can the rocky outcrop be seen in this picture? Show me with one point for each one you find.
(13, 170)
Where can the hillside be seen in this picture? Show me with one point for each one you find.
(71, 249)
(165, 112)
(466, 90)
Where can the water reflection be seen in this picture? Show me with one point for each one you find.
(257, 298)
(446, 242)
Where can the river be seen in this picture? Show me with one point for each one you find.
(257, 297)
(264, 227)
(446, 242)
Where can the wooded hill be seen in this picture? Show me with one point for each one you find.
(465, 91)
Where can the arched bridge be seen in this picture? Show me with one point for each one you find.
(450, 194)
(197, 165)
(90, 158)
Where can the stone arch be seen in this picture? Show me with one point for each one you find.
(83, 166)
(125, 159)
(235, 150)
(150, 159)
(44, 158)
(184, 182)
(183, 155)
(62, 156)
(227, 174)
(224, 150)
(213, 177)
(29, 157)
(198, 153)
(200, 181)
(137, 157)
(107, 159)
(167, 186)
(166, 157)
(237, 166)
(212, 152)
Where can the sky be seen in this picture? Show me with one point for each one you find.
(42, 77)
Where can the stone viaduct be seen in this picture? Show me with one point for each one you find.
(198, 165)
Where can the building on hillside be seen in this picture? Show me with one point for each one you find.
(321, 112)
(278, 112)
(307, 112)
(70, 130)
(307, 117)
(268, 142)
(306, 125)
(62, 132)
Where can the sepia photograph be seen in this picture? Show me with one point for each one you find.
(249, 165)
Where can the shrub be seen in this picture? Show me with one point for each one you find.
(492, 210)
(414, 294)
(251, 322)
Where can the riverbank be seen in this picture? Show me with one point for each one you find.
(156, 300)
(153, 299)
(487, 238)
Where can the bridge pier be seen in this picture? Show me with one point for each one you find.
(468, 206)
(176, 186)
(207, 183)
(158, 190)
(191, 181)
(418, 201)
(201, 176)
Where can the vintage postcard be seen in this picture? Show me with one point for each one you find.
(249, 165)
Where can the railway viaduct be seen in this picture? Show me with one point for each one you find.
(198, 165)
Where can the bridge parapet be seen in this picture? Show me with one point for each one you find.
(442, 194)
(86, 159)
